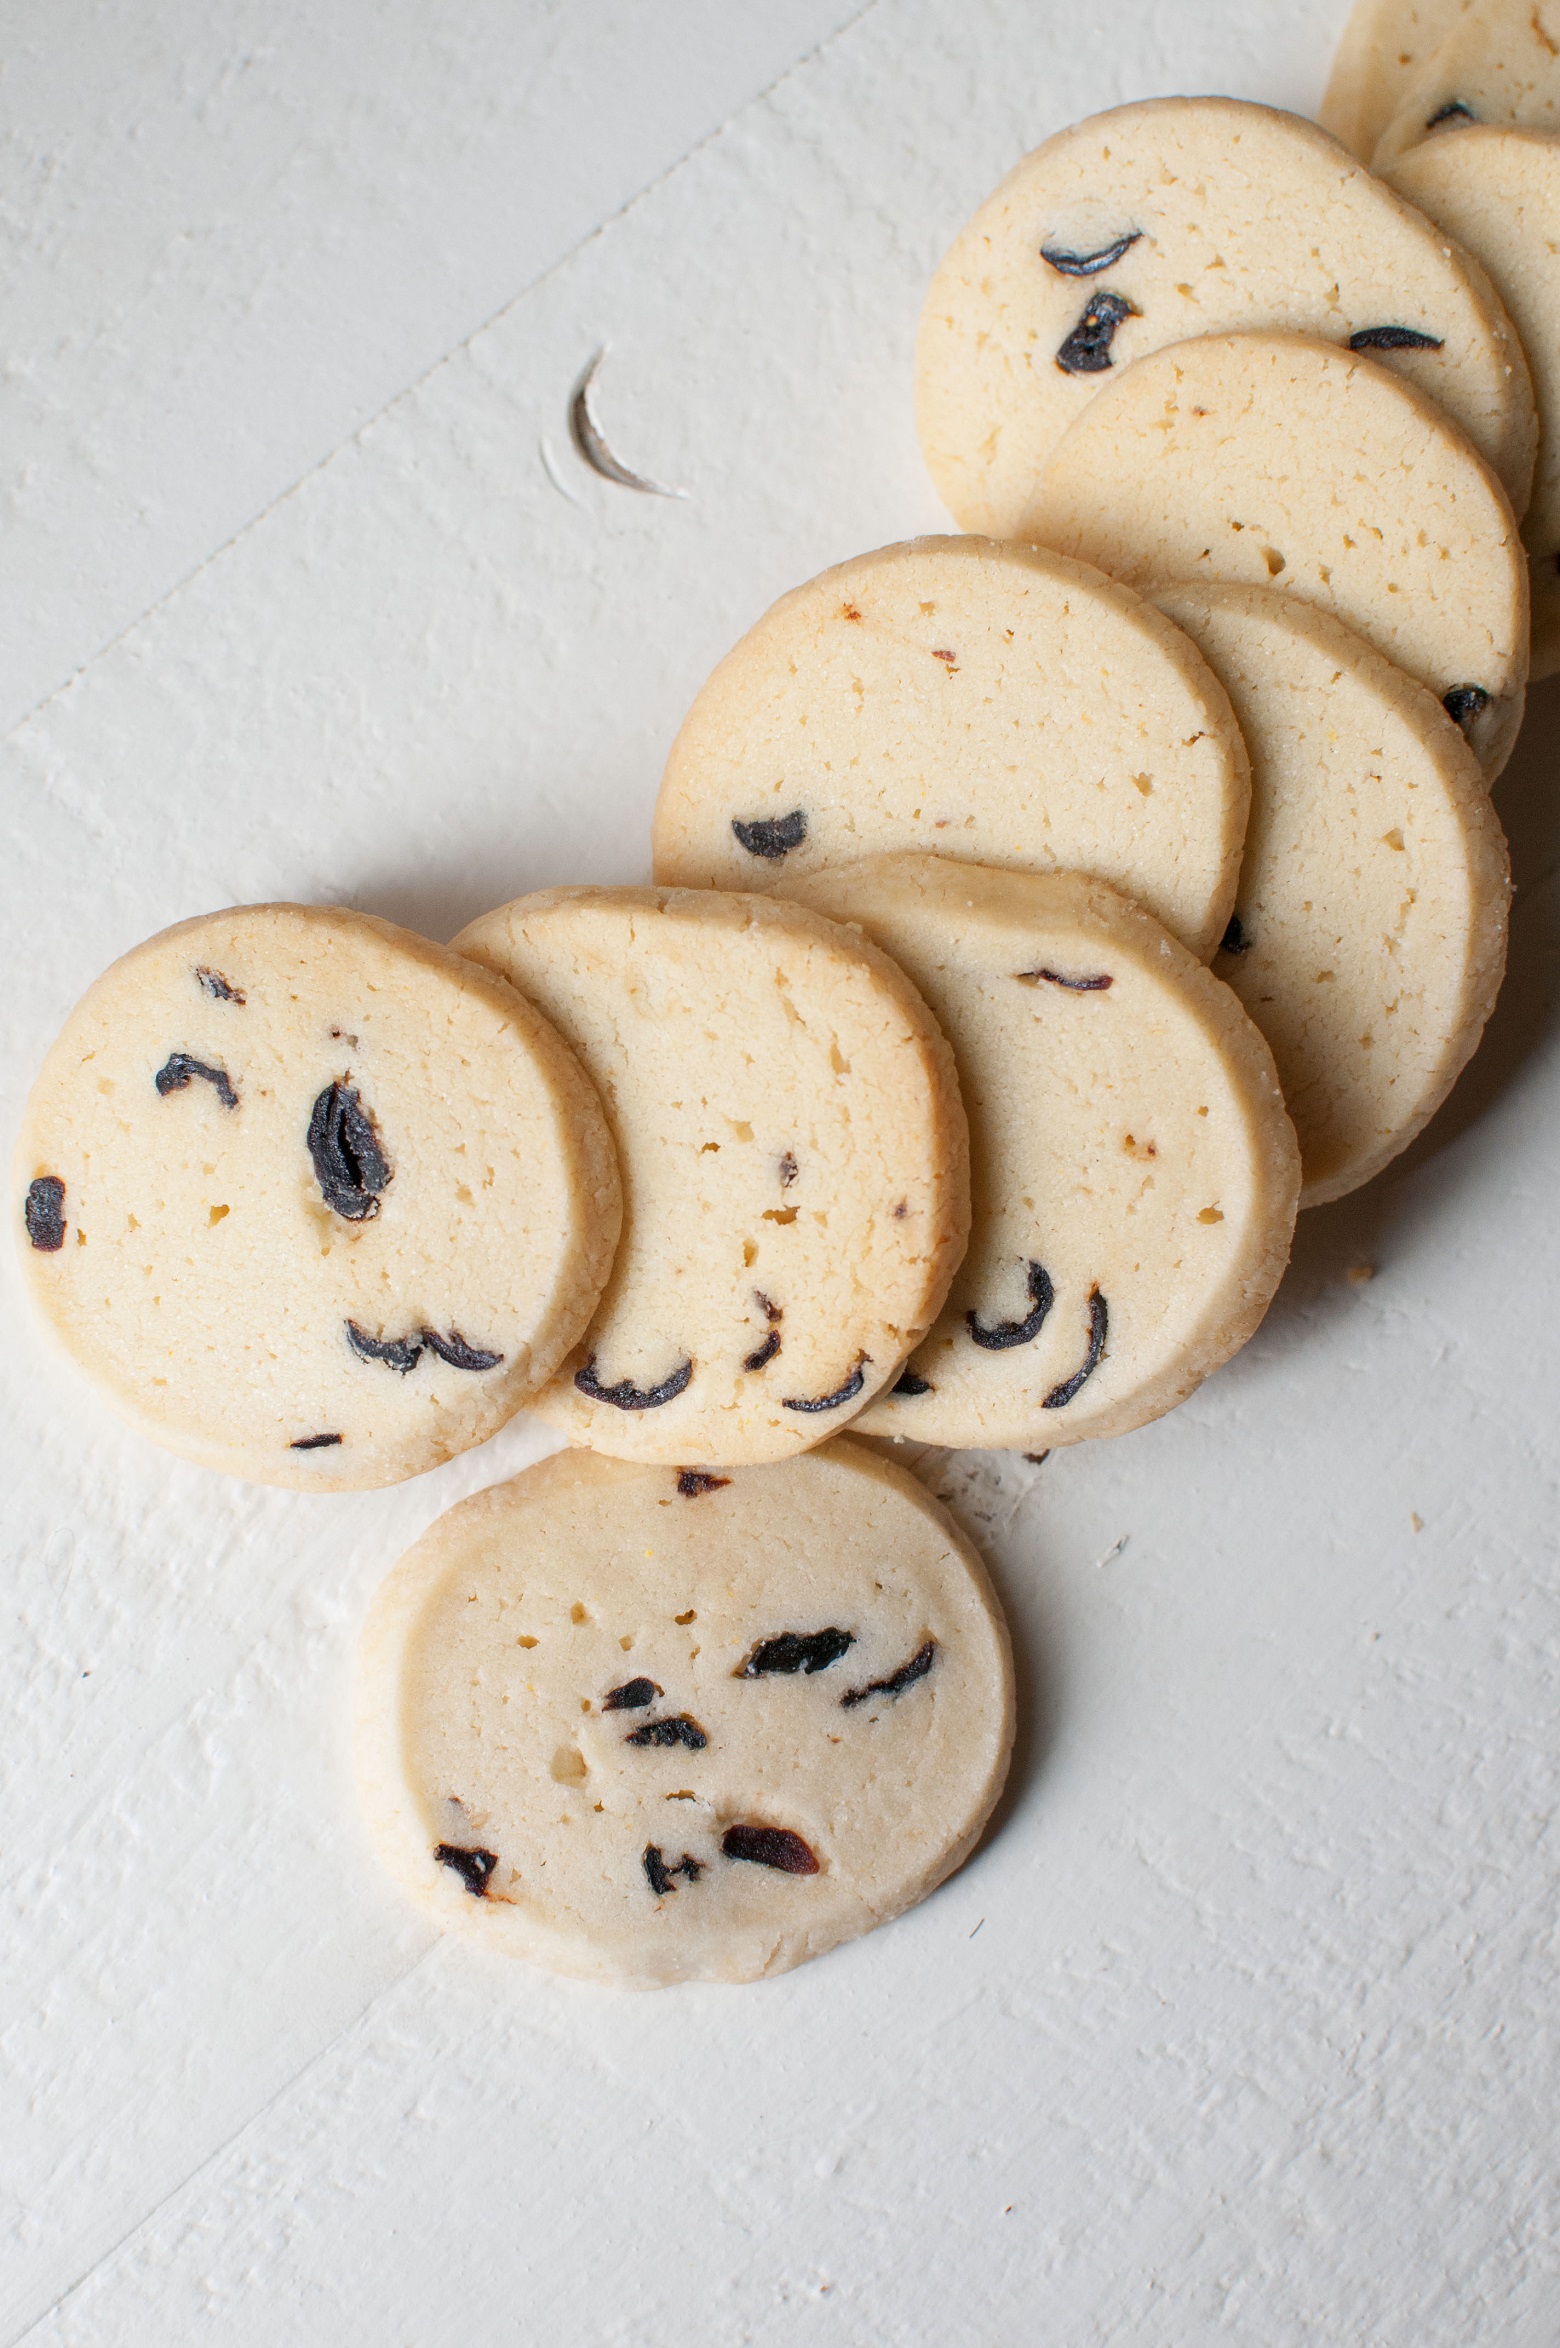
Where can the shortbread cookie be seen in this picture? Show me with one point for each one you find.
(994, 703)
(794, 1155)
(316, 1202)
(1370, 931)
(650, 1726)
(1384, 45)
(1499, 63)
(1179, 217)
(1498, 192)
(1134, 1175)
(1273, 459)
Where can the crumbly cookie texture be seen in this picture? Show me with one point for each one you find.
(1134, 1174)
(999, 704)
(1369, 937)
(1497, 190)
(318, 1203)
(1499, 62)
(585, 1739)
(1181, 217)
(1383, 46)
(795, 1164)
(1278, 460)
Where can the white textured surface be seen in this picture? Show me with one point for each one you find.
(1241, 2025)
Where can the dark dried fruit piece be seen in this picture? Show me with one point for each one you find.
(1087, 349)
(659, 1876)
(1099, 1326)
(349, 1164)
(679, 1729)
(787, 1170)
(455, 1351)
(1075, 986)
(996, 1336)
(763, 1354)
(908, 1383)
(178, 1068)
(896, 1683)
(693, 1483)
(217, 986)
(397, 1353)
(1393, 338)
(846, 1393)
(770, 1846)
(632, 1696)
(1235, 940)
(1089, 264)
(625, 1395)
(473, 1867)
(404, 1353)
(1464, 703)
(44, 1213)
(1453, 111)
(792, 1651)
(315, 1443)
(773, 835)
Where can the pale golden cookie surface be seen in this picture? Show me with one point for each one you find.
(794, 1157)
(1134, 1175)
(1179, 217)
(317, 1202)
(1370, 927)
(995, 703)
(1278, 460)
(1499, 63)
(1497, 190)
(653, 1727)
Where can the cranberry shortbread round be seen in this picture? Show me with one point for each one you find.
(653, 1726)
(795, 1163)
(316, 1201)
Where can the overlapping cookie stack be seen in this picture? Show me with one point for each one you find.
(1041, 916)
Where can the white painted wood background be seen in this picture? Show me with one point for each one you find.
(1242, 2025)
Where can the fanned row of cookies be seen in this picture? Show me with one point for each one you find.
(1041, 916)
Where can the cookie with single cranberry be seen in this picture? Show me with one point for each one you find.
(1369, 935)
(1191, 216)
(585, 1739)
(1133, 1173)
(317, 1202)
(998, 704)
(1499, 63)
(794, 1156)
(1384, 44)
(1278, 460)
(1497, 190)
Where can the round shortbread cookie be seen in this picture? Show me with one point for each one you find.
(650, 1726)
(1497, 190)
(1370, 928)
(1276, 460)
(795, 1164)
(995, 703)
(1499, 63)
(315, 1201)
(1383, 46)
(1180, 217)
(1134, 1175)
